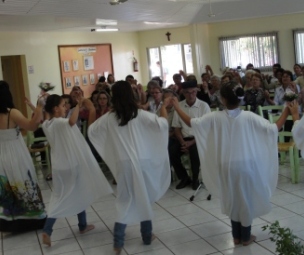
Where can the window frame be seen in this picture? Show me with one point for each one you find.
(297, 57)
(182, 45)
(257, 37)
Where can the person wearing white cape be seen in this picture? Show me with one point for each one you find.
(298, 131)
(133, 143)
(239, 159)
(77, 178)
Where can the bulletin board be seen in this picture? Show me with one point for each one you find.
(82, 65)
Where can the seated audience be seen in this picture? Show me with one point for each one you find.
(103, 103)
(110, 79)
(185, 142)
(93, 98)
(139, 93)
(300, 79)
(155, 104)
(255, 96)
(248, 75)
(159, 80)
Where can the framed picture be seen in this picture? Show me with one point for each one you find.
(75, 65)
(68, 83)
(66, 66)
(88, 63)
(92, 78)
(76, 80)
(85, 80)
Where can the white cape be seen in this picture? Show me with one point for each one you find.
(239, 162)
(77, 178)
(298, 135)
(137, 155)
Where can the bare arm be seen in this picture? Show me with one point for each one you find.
(25, 123)
(142, 94)
(294, 111)
(183, 74)
(291, 108)
(29, 103)
(87, 103)
(268, 99)
(209, 70)
(145, 106)
(74, 116)
(163, 110)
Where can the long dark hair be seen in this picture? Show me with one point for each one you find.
(51, 102)
(232, 92)
(6, 99)
(123, 102)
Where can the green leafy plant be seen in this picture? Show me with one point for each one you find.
(286, 242)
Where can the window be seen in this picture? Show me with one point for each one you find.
(298, 36)
(164, 61)
(261, 50)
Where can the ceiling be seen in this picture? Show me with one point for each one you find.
(81, 15)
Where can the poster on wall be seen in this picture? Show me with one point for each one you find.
(92, 78)
(85, 80)
(75, 65)
(68, 83)
(81, 64)
(76, 80)
(66, 66)
(88, 63)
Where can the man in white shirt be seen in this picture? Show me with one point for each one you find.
(185, 142)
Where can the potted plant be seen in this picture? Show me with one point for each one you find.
(286, 242)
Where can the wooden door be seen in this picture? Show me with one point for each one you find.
(12, 74)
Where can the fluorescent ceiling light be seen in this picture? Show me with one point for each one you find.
(157, 23)
(104, 29)
(106, 22)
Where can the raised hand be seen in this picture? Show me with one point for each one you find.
(175, 102)
(293, 107)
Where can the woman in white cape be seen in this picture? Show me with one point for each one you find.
(133, 143)
(77, 178)
(239, 159)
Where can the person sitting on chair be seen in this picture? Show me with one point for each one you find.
(185, 142)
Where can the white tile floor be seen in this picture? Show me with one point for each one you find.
(182, 227)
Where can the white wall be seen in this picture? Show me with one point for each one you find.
(155, 38)
(41, 51)
(283, 24)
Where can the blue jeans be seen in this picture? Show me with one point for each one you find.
(82, 223)
(119, 233)
(240, 232)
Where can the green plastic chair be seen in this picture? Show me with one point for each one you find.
(288, 147)
(35, 150)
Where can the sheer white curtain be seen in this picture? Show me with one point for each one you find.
(299, 45)
(259, 49)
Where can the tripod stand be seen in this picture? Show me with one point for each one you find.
(201, 185)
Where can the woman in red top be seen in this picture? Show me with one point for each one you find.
(103, 103)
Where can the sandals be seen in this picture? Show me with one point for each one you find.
(250, 241)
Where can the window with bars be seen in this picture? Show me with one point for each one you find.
(298, 36)
(260, 49)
